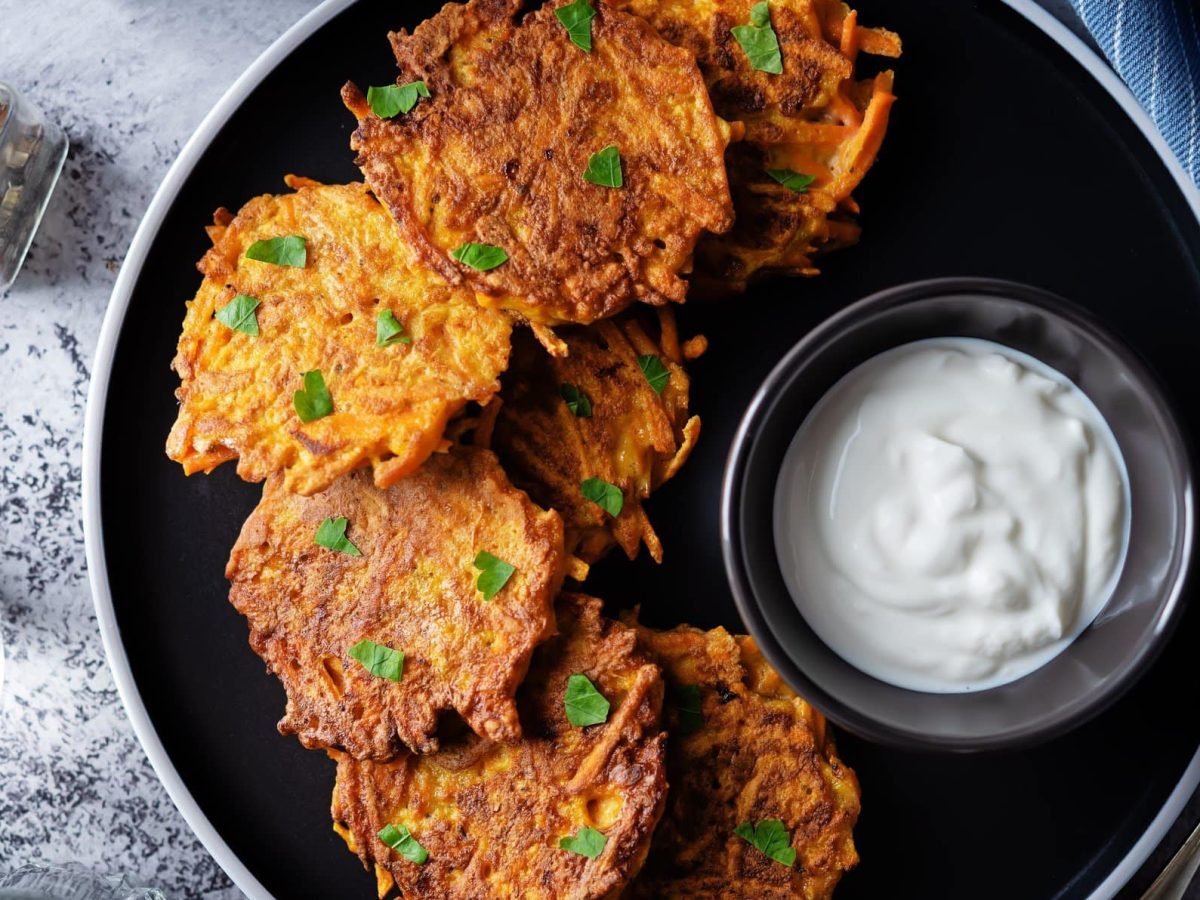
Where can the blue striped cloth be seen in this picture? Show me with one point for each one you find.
(1155, 47)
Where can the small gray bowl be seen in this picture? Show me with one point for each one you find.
(1107, 657)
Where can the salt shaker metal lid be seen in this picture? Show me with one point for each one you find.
(32, 152)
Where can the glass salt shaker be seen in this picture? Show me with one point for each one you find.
(70, 882)
(32, 152)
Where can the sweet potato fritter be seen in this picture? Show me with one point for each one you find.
(814, 118)
(497, 154)
(390, 403)
(412, 589)
(760, 752)
(491, 815)
(634, 437)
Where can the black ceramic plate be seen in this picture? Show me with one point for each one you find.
(1006, 158)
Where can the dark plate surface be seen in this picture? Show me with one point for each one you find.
(1005, 159)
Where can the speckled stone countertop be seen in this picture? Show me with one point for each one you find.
(129, 80)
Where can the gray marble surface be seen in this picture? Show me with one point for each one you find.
(129, 80)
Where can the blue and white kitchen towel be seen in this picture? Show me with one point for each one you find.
(1155, 47)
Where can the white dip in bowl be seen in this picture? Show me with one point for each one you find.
(951, 515)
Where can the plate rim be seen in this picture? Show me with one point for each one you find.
(93, 427)
(105, 352)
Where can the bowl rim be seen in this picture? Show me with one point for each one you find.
(733, 552)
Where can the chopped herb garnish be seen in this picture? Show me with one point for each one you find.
(332, 535)
(378, 659)
(759, 41)
(314, 401)
(393, 99)
(604, 168)
(577, 19)
(584, 704)
(587, 842)
(480, 256)
(654, 370)
(607, 496)
(790, 178)
(688, 707)
(493, 574)
(238, 314)
(770, 838)
(401, 840)
(577, 401)
(280, 251)
(388, 331)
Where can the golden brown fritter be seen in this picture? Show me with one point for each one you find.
(496, 156)
(814, 118)
(760, 753)
(635, 438)
(390, 403)
(413, 589)
(491, 815)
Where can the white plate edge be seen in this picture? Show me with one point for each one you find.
(93, 427)
(102, 370)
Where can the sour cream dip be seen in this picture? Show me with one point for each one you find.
(951, 515)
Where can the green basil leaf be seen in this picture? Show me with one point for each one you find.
(587, 842)
(790, 178)
(771, 838)
(393, 99)
(688, 706)
(584, 704)
(654, 370)
(238, 314)
(577, 19)
(332, 534)
(280, 251)
(378, 659)
(604, 168)
(493, 574)
(480, 256)
(759, 41)
(314, 401)
(607, 496)
(388, 330)
(401, 840)
(577, 401)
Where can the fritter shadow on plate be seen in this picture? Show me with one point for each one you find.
(488, 818)
(497, 154)
(595, 414)
(743, 749)
(317, 576)
(813, 118)
(321, 311)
